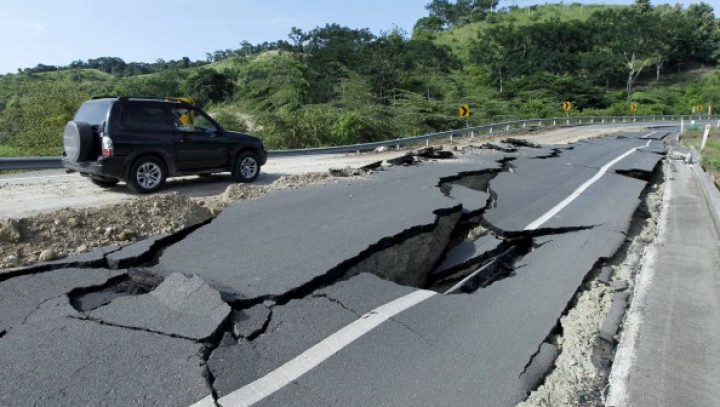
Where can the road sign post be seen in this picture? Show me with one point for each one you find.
(464, 111)
(705, 137)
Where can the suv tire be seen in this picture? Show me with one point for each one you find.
(147, 175)
(247, 167)
(78, 141)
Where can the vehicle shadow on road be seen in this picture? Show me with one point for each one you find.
(213, 185)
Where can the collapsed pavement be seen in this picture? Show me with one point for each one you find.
(297, 266)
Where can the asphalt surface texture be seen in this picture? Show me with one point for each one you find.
(334, 295)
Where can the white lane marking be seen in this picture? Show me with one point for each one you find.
(292, 370)
(465, 280)
(554, 211)
(261, 388)
(648, 135)
(208, 401)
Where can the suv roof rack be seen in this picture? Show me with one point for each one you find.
(125, 98)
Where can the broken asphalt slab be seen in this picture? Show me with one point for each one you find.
(288, 241)
(20, 296)
(181, 306)
(56, 359)
(480, 344)
(298, 325)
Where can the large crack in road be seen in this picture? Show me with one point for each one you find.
(436, 236)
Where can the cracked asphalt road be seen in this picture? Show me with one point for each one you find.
(330, 295)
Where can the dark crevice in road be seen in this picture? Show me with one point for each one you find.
(554, 154)
(207, 373)
(136, 282)
(410, 244)
(540, 232)
(131, 328)
(639, 174)
(486, 273)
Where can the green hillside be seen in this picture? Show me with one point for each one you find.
(460, 38)
(338, 85)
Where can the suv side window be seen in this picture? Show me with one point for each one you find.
(147, 117)
(192, 121)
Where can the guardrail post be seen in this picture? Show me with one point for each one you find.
(451, 139)
(508, 128)
(554, 122)
(490, 132)
(524, 125)
(397, 146)
(603, 120)
(568, 121)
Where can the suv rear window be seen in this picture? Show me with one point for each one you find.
(93, 113)
(147, 116)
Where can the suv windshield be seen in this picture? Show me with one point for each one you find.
(93, 113)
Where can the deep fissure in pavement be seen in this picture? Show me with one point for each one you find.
(136, 282)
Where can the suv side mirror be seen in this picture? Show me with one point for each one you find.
(102, 128)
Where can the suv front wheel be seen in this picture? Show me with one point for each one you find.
(147, 175)
(247, 167)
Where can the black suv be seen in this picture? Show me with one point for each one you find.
(143, 141)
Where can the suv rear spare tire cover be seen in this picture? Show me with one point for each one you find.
(77, 140)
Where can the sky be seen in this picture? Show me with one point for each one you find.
(57, 32)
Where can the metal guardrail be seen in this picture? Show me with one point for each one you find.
(23, 163)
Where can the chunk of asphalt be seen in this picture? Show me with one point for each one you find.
(469, 253)
(500, 147)
(93, 259)
(57, 359)
(538, 367)
(614, 317)
(620, 286)
(181, 306)
(521, 142)
(20, 296)
(134, 254)
(605, 275)
(406, 159)
(294, 328)
(473, 202)
(249, 322)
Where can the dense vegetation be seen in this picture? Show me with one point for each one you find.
(338, 85)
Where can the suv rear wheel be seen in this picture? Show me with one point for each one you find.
(247, 167)
(147, 175)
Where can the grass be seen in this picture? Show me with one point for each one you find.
(711, 154)
(8, 151)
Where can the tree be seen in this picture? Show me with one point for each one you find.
(209, 86)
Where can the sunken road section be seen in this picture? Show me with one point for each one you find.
(217, 312)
